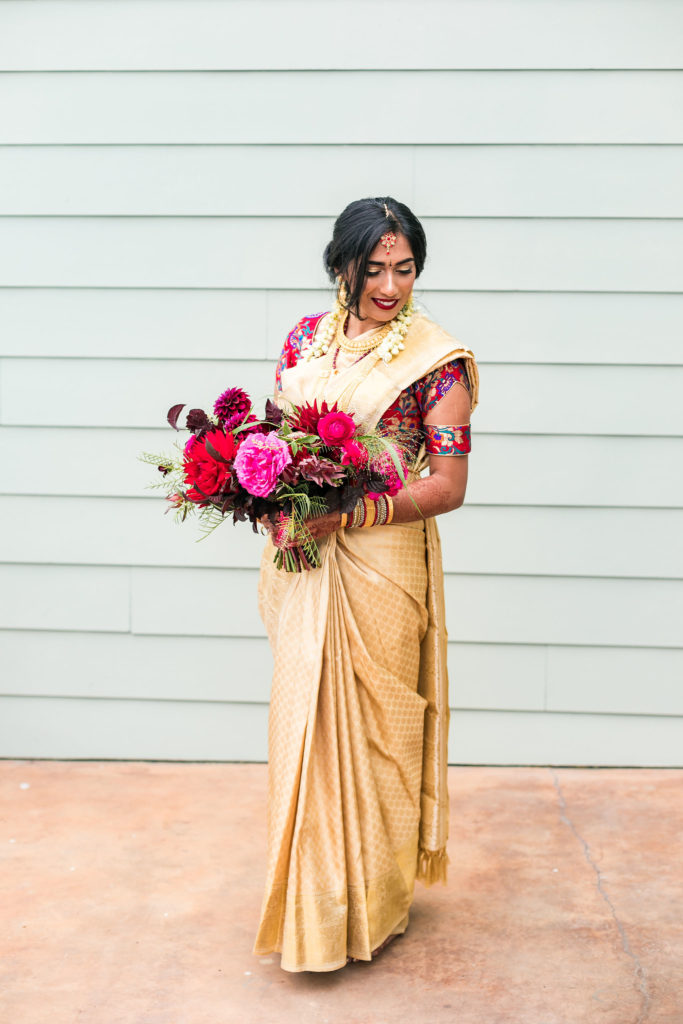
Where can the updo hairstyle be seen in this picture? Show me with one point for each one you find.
(357, 230)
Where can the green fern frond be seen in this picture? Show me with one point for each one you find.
(210, 518)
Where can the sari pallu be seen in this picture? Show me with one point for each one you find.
(358, 726)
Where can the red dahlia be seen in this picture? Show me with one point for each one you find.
(208, 465)
(306, 417)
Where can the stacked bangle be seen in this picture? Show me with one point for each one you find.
(372, 512)
(360, 514)
(382, 511)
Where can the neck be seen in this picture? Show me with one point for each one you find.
(355, 326)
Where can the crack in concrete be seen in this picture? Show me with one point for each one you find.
(638, 969)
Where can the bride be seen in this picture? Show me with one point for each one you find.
(358, 727)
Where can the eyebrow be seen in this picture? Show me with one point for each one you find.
(381, 263)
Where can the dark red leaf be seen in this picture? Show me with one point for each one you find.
(173, 414)
(273, 412)
(214, 453)
(349, 497)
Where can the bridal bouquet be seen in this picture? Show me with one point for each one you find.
(291, 465)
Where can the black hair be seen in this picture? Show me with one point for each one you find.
(357, 230)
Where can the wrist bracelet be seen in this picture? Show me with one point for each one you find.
(359, 514)
(370, 512)
(344, 520)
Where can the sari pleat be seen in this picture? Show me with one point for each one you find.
(345, 749)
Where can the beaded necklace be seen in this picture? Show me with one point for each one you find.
(388, 342)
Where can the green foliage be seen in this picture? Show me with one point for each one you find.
(297, 440)
(209, 518)
(171, 481)
(306, 506)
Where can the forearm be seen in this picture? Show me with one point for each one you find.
(433, 495)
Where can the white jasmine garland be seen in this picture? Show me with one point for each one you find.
(390, 346)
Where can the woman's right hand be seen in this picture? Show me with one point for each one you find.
(270, 529)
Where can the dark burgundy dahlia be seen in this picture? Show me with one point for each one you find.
(232, 407)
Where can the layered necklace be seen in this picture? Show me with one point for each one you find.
(388, 341)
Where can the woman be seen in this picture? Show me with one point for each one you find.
(358, 728)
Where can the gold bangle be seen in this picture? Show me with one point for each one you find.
(370, 506)
(344, 520)
(390, 514)
(358, 515)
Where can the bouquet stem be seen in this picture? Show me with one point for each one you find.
(295, 559)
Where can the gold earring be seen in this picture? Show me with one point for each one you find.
(341, 292)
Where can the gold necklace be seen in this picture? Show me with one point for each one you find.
(358, 347)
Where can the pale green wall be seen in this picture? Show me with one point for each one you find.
(169, 172)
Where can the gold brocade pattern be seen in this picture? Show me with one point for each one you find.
(358, 727)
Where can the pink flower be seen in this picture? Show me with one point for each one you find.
(354, 454)
(335, 428)
(259, 461)
(384, 465)
(174, 501)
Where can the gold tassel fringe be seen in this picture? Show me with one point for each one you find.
(432, 865)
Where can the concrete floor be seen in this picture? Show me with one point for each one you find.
(131, 891)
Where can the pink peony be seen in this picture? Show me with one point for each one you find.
(259, 461)
(335, 428)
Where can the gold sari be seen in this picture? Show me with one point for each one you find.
(359, 713)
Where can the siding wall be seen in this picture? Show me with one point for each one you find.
(169, 173)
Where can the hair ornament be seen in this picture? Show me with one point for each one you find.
(388, 240)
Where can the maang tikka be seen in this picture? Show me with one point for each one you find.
(388, 239)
